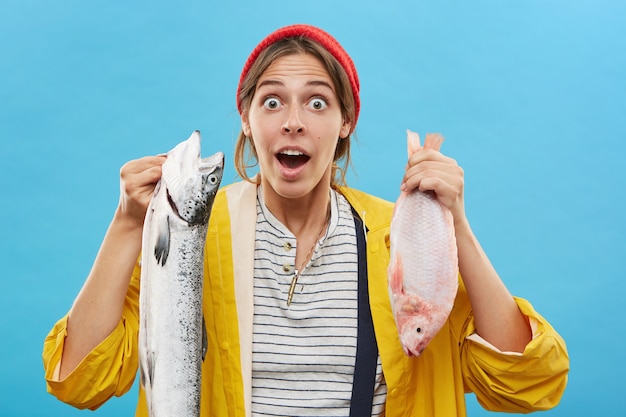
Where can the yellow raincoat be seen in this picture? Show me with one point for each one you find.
(433, 384)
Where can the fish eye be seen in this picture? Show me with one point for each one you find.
(419, 329)
(213, 179)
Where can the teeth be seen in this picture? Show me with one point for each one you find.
(292, 152)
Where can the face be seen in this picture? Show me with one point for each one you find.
(295, 122)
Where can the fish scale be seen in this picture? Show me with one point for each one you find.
(423, 269)
(171, 332)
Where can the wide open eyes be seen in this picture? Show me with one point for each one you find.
(318, 104)
(272, 103)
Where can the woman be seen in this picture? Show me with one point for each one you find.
(331, 346)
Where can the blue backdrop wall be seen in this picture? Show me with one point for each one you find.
(530, 96)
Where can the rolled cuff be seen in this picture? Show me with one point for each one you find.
(109, 369)
(518, 382)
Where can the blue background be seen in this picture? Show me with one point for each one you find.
(530, 95)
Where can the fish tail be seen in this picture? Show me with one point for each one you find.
(412, 142)
(433, 141)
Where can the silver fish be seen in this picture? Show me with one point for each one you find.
(172, 336)
(423, 270)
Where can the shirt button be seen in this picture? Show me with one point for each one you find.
(287, 268)
(394, 393)
(287, 246)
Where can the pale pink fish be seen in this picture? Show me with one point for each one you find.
(423, 270)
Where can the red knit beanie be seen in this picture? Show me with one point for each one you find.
(319, 36)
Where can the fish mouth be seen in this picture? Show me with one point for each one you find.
(292, 158)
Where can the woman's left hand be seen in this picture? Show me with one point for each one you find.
(496, 315)
(430, 170)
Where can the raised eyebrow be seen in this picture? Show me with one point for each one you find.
(321, 83)
(269, 82)
(280, 83)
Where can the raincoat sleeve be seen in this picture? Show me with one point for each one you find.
(516, 382)
(109, 369)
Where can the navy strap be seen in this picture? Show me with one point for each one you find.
(366, 348)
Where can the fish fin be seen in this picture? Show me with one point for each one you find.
(162, 247)
(433, 141)
(142, 376)
(396, 276)
(205, 339)
(412, 142)
(146, 373)
(151, 367)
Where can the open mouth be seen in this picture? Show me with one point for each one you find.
(292, 158)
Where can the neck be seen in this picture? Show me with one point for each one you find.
(303, 216)
(306, 217)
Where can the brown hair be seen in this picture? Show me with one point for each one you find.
(245, 154)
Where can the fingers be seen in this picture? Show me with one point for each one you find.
(146, 169)
(428, 164)
(433, 176)
(137, 181)
(429, 170)
(140, 165)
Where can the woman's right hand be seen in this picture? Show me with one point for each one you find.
(137, 181)
(98, 307)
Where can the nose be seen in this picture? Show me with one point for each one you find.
(293, 123)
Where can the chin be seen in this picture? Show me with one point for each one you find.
(294, 189)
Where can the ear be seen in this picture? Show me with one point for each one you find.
(345, 130)
(245, 124)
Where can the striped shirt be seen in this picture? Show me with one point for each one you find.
(303, 355)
